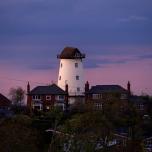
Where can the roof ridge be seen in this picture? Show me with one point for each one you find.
(49, 89)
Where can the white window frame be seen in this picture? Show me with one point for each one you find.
(47, 107)
(141, 106)
(36, 97)
(61, 97)
(58, 97)
(98, 106)
(34, 105)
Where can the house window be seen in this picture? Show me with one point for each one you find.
(36, 97)
(48, 97)
(77, 77)
(60, 97)
(141, 107)
(47, 107)
(78, 89)
(59, 77)
(98, 106)
(37, 104)
(97, 96)
(123, 96)
(76, 65)
(148, 142)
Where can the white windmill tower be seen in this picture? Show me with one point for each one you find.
(71, 72)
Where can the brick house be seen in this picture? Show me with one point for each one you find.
(5, 103)
(140, 104)
(46, 97)
(100, 94)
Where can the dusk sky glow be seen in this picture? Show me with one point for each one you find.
(115, 35)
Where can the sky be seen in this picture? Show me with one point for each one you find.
(115, 35)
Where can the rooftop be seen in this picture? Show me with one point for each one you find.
(4, 101)
(47, 90)
(70, 53)
(107, 88)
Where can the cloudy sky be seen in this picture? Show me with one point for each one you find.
(115, 35)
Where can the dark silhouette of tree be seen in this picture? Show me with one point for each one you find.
(17, 135)
(17, 95)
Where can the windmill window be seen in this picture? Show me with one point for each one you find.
(59, 77)
(61, 65)
(76, 65)
(77, 77)
(78, 89)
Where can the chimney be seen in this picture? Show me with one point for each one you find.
(128, 88)
(28, 88)
(87, 86)
(29, 98)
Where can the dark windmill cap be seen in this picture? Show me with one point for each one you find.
(70, 53)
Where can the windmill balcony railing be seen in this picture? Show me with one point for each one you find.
(79, 56)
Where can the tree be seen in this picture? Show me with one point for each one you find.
(18, 135)
(17, 95)
(86, 130)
